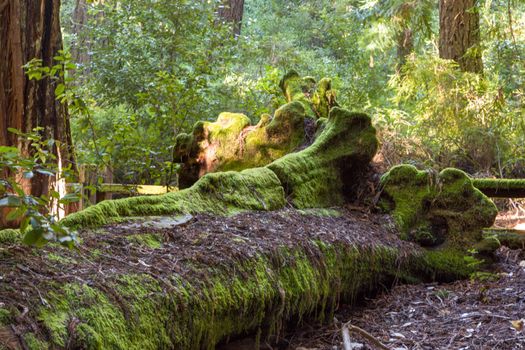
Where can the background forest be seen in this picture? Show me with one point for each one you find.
(148, 70)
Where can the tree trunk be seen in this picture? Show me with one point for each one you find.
(81, 46)
(459, 35)
(31, 29)
(232, 11)
(405, 46)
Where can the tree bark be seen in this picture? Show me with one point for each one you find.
(459, 35)
(405, 46)
(232, 11)
(31, 29)
(81, 46)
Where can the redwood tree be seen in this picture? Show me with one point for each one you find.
(232, 11)
(31, 29)
(459, 36)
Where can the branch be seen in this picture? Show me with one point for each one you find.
(365, 334)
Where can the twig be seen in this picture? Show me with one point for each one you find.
(347, 342)
(366, 335)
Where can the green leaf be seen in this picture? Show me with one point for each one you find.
(24, 224)
(16, 214)
(59, 90)
(35, 238)
(14, 131)
(6, 149)
(10, 201)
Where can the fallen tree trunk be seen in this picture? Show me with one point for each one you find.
(195, 285)
(513, 239)
(501, 188)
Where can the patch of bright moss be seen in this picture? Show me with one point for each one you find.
(150, 240)
(5, 316)
(218, 193)
(320, 175)
(434, 209)
(317, 98)
(33, 343)
(321, 212)
(9, 236)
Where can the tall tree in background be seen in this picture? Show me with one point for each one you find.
(80, 47)
(232, 11)
(459, 34)
(31, 29)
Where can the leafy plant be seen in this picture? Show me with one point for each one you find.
(37, 224)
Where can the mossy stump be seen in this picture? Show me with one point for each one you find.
(232, 143)
(442, 209)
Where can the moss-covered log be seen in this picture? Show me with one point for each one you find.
(121, 292)
(501, 188)
(219, 193)
(231, 143)
(514, 239)
(436, 209)
(319, 176)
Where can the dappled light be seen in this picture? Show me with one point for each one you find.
(262, 174)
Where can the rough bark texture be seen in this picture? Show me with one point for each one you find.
(80, 47)
(232, 11)
(459, 36)
(31, 29)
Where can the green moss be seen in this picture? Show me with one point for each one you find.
(33, 343)
(509, 238)
(506, 188)
(321, 212)
(317, 98)
(138, 311)
(218, 193)
(5, 316)
(434, 209)
(447, 265)
(59, 258)
(152, 241)
(231, 143)
(320, 175)
(9, 236)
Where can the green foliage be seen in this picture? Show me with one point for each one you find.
(461, 119)
(155, 68)
(37, 225)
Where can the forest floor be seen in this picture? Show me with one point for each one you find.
(486, 313)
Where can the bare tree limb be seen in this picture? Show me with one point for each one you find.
(365, 334)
